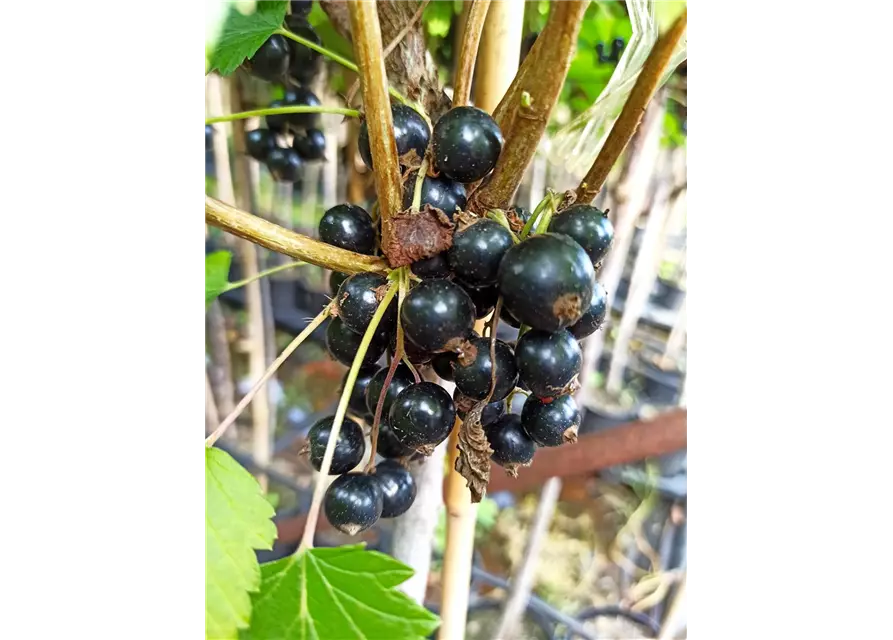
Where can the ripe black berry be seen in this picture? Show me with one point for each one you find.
(553, 423)
(442, 363)
(484, 298)
(311, 146)
(301, 7)
(270, 62)
(546, 281)
(467, 143)
(547, 362)
(506, 316)
(305, 62)
(410, 131)
(349, 227)
(357, 401)
(588, 227)
(343, 344)
(358, 299)
(510, 443)
(433, 267)
(490, 414)
(415, 354)
(259, 143)
(594, 316)
(353, 503)
(441, 193)
(402, 379)
(285, 164)
(473, 369)
(397, 487)
(277, 122)
(477, 251)
(209, 137)
(349, 449)
(335, 280)
(388, 445)
(298, 97)
(436, 312)
(423, 414)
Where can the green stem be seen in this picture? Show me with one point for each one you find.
(353, 113)
(498, 215)
(262, 274)
(419, 181)
(321, 483)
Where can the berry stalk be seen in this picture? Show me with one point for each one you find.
(269, 111)
(320, 488)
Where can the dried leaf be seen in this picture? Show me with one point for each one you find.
(416, 236)
(473, 462)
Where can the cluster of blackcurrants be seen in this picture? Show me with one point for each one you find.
(546, 283)
(280, 59)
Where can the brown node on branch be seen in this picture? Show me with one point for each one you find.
(416, 236)
(568, 198)
(473, 462)
(515, 222)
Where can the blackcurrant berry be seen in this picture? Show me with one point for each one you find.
(506, 316)
(588, 227)
(357, 401)
(285, 164)
(442, 363)
(436, 312)
(353, 503)
(343, 344)
(477, 251)
(472, 370)
(550, 424)
(259, 143)
(547, 362)
(410, 131)
(441, 193)
(359, 297)
(311, 146)
(335, 280)
(467, 143)
(546, 281)
(402, 379)
(349, 227)
(423, 414)
(388, 445)
(484, 298)
(510, 443)
(397, 486)
(301, 97)
(304, 60)
(209, 137)
(415, 354)
(349, 449)
(490, 414)
(270, 62)
(594, 316)
(277, 122)
(434, 267)
(301, 7)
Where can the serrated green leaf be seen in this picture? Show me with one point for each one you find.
(216, 274)
(243, 34)
(237, 521)
(343, 592)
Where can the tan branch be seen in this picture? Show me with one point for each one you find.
(471, 39)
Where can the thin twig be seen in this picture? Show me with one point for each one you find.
(471, 39)
(242, 115)
(631, 114)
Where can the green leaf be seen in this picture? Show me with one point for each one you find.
(216, 274)
(342, 592)
(243, 34)
(237, 521)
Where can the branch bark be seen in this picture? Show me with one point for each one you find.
(275, 238)
(471, 40)
(631, 114)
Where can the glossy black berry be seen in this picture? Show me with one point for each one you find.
(594, 316)
(410, 131)
(422, 414)
(434, 267)
(473, 370)
(209, 137)
(490, 414)
(277, 122)
(301, 97)
(343, 344)
(415, 354)
(259, 143)
(349, 227)
(441, 193)
(357, 401)
(305, 62)
(551, 424)
(310, 145)
(402, 379)
(442, 363)
(547, 362)
(510, 443)
(388, 445)
(301, 7)
(436, 312)
(353, 503)
(467, 143)
(484, 298)
(506, 316)
(270, 62)
(349, 449)
(358, 299)
(588, 227)
(397, 487)
(285, 164)
(335, 280)
(477, 251)
(546, 281)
